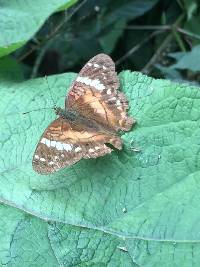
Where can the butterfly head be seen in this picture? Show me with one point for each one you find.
(58, 110)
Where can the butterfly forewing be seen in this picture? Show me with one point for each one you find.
(94, 94)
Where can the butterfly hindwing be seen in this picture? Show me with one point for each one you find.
(94, 94)
(53, 152)
(63, 144)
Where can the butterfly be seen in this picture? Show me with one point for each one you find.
(94, 112)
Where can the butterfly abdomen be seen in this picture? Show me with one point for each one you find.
(77, 119)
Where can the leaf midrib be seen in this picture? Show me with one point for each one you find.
(103, 229)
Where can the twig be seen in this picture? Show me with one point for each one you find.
(191, 34)
(33, 48)
(164, 28)
(39, 59)
(178, 39)
(157, 54)
(152, 61)
(136, 47)
(149, 27)
(180, 4)
(67, 18)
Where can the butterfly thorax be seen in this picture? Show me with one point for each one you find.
(76, 119)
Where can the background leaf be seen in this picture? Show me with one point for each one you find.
(61, 36)
(10, 70)
(20, 20)
(130, 9)
(149, 198)
(188, 60)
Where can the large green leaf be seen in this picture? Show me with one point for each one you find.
(24, 240)
(76, 246)
(149, 198)
(20, 20)
(29, 241)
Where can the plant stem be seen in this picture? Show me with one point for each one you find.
(191, 34)
(148, 27)
(157, 54)
(164, 28)
(39, 59)
(136, 47)
(178, 39)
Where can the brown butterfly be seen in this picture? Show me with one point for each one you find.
(94, 112)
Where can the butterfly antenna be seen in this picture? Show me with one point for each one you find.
(54, 104)
(34, 110)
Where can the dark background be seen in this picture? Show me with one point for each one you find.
(158, 38)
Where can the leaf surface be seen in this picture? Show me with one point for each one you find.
(150, 198)
(24, 240)
(29, 241)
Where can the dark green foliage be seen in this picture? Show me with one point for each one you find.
(138, 34)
